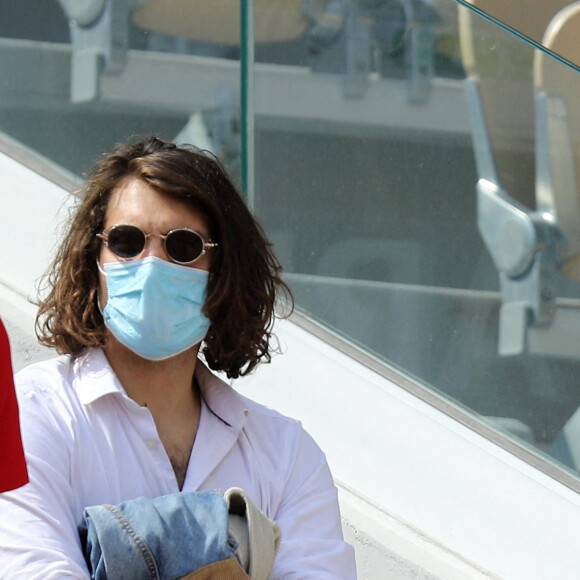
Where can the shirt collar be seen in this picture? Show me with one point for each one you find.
(220, 398)
(94, 378)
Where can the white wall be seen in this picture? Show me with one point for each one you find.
(33, 210)
(427, 487)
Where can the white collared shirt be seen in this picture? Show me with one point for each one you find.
(88, 443)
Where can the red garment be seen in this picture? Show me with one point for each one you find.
(13, 472)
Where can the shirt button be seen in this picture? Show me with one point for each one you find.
(151, 444)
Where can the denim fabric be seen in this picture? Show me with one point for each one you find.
(164, 538)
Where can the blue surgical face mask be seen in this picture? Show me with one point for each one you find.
(154, 307)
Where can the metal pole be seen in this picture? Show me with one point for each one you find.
(247, 99)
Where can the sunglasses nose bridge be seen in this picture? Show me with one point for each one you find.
(155, 246)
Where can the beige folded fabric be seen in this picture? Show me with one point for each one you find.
(258, 536)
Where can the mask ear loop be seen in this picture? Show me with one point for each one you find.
(102, 271)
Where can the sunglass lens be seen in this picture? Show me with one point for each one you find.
(183, 246)
(126, 241)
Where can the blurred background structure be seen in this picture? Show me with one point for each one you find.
(415, 163)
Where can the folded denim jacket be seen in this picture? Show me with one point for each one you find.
(180, 535)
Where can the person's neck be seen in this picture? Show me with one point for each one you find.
(163, 386)
(167, 389)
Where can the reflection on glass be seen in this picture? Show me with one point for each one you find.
(374, 122)
(108, 72)
(367, 166)
(530, 18)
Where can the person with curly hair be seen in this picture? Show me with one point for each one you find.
(163, 277)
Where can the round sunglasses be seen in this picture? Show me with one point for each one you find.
(182, 245)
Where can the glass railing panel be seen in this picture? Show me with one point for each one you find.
(528, 18)
(372, 130)
(84, 76)
(367, 158)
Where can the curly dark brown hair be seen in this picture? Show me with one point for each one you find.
(245, 279)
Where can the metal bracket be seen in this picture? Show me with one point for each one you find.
(420, 52)
(358, 52)
(353, 25)
(99, 35)
(556, 179)
(528, 248)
